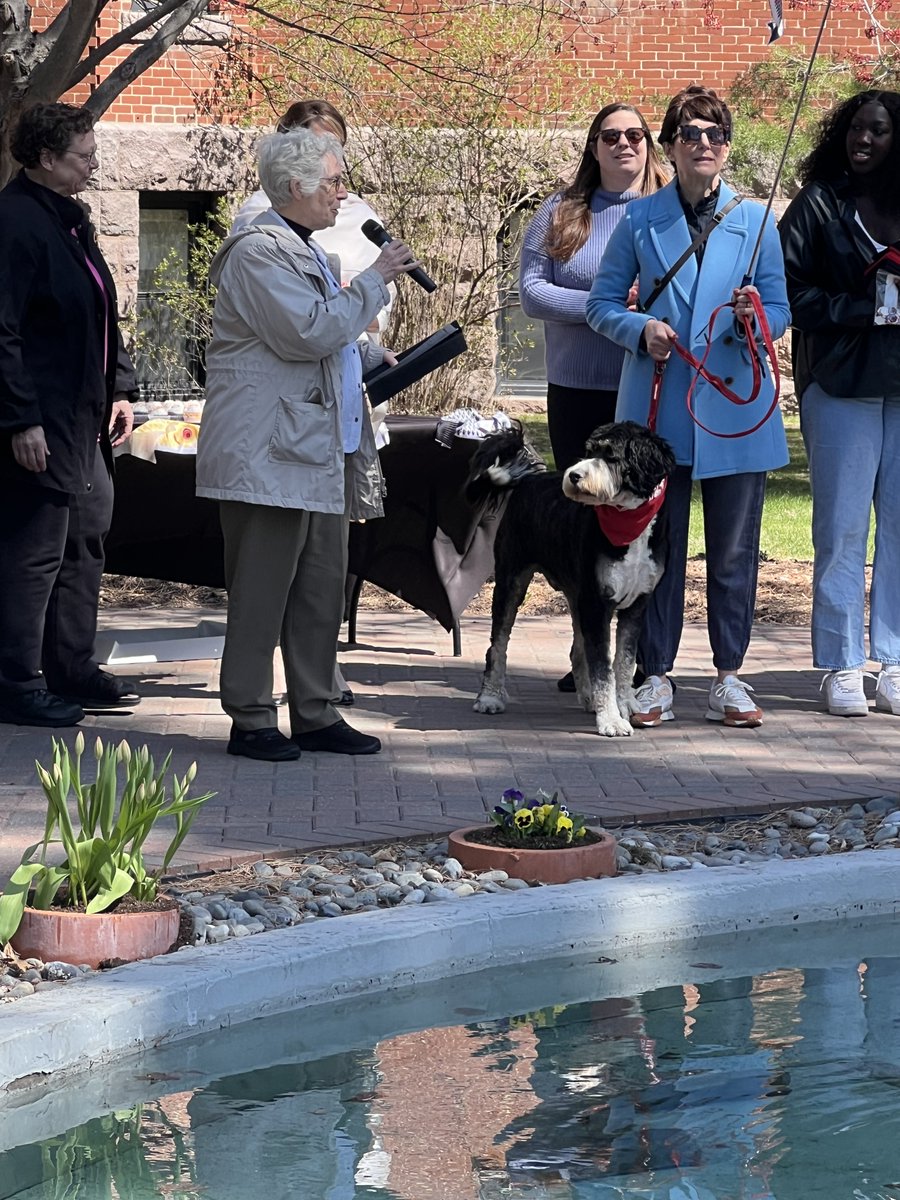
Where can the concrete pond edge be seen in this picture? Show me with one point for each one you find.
(104, 1020)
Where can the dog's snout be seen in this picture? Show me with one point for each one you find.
(574, 477)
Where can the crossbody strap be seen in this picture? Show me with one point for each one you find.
(692, 249)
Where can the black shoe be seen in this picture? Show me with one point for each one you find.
(567, 683)
(339, 738)
(345, 699)
(102, 690)
(267, 745)
(38, 707)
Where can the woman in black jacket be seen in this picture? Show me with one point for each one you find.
(841, 239)
(64, 379)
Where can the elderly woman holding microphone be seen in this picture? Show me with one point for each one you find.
(287, 447)
(690, 246)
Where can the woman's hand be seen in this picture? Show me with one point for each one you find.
(390, 358)
(659, 339)
(29, 448)
(121, 419)
(743, 305)
(395, 259)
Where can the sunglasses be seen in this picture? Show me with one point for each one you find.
(715, 134)
(610, 137)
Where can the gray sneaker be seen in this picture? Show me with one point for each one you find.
(651, 703)
(887, 690)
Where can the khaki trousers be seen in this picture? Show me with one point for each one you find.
(284, 571)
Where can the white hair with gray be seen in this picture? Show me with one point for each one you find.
(298, 154)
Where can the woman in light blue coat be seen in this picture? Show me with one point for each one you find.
(647, 243)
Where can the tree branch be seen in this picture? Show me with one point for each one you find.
(144, 56)
(122, 38)
(61, 46)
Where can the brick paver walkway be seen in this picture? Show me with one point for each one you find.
(444, 766)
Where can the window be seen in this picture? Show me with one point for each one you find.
(520, 360)
(169, 341)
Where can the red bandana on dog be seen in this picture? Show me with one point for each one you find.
(622, 526)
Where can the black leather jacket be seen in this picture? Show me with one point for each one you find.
(835, 342)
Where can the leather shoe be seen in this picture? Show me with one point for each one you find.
(267, 745)
(567, 683)
(102, 690)
(38, 707)
(339, 738)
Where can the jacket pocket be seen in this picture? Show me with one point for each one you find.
(304, 431)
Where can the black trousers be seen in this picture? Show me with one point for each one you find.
(51, 564)
(572, 416)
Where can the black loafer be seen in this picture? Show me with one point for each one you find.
(38, 707)
(101, 691)
(567, 683)
(339, 738)
(267, 745)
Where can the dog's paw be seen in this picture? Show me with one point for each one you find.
(586, 700)
(608, 726)
(490, 703)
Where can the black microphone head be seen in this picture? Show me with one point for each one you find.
(376, 233)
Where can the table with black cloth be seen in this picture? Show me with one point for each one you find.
(432, 548)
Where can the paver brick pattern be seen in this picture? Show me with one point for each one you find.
(444, 766)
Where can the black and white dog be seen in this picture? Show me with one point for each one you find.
(596, 532)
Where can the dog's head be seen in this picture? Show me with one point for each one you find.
(624, 464)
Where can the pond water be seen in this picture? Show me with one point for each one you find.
(714, 1084)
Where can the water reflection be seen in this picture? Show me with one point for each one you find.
(780, 1086)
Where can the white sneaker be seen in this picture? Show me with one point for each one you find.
(844, 694)
(887, 690)
(651, 703)
(729, 703)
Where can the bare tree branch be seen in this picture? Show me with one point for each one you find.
(124, 37)
(145, 55)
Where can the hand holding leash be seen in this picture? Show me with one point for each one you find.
(744, 308)
(659, 338)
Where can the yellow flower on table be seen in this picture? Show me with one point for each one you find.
(524, 819)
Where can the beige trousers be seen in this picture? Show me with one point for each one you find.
(284, 571)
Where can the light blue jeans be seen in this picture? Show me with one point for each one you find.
(853, 445)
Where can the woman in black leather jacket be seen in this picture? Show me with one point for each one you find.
(841, 239)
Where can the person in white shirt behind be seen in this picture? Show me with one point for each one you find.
(345, 239)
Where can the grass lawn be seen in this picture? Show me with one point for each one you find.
(787, 516)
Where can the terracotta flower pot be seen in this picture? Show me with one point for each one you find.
(591, 860)
(59, 935)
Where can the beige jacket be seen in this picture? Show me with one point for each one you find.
(272, 424)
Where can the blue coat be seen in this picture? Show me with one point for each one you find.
(645, 244)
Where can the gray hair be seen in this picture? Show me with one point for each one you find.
(299, 155)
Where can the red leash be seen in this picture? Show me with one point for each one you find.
(700, 370)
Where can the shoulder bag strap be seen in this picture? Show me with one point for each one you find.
(692, 248)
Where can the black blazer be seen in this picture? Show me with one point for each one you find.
(55, 333)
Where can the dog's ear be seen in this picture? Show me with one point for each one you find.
(648, 460)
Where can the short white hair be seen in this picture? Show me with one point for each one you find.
(297, 154)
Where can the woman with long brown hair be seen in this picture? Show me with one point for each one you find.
(560, 257)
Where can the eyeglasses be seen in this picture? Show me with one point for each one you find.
(332, 183)
(87, 157)
(715, 134)
(611, 137)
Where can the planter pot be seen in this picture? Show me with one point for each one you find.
(591, 861)
(57, 935)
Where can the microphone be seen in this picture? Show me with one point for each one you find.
(379, 235)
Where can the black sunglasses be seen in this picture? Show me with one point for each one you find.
(610, 137)
(715, 134)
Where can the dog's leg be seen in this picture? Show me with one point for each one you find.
(576, 657)
(628, 628)
(509, 592)
(596, 616)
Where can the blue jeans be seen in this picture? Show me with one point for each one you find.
(853, 445)
(732, 516)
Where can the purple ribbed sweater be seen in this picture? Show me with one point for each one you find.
(556, 292)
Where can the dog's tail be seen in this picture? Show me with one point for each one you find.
(499, 463)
